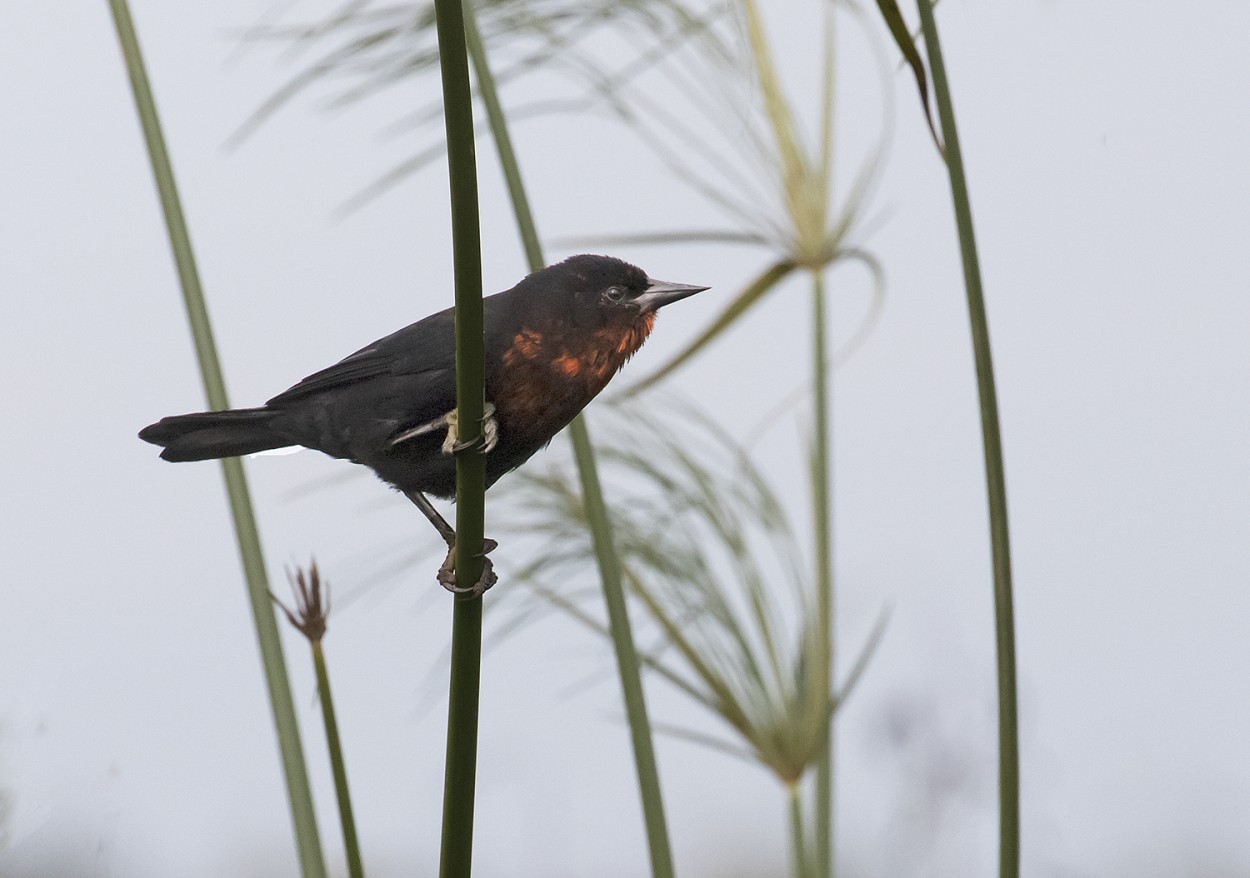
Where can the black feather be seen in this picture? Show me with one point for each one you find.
(212, 435)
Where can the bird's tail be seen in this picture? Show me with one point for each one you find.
(210, 435)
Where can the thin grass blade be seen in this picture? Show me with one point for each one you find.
(893, 17)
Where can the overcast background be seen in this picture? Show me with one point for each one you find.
(1107, 149)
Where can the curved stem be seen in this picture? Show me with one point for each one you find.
(995, 478)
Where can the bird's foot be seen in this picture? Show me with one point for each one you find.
(486, 439)
(447, 573)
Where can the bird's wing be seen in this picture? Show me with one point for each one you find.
(427, 346)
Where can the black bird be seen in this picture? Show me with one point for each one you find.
(553, 342)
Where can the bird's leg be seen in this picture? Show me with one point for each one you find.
(445, 530)
(447, 572)
(485, 441)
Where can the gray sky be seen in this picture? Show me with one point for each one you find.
(1106, 148)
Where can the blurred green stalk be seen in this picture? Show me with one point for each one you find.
(592, 495)
(995, 480)
(308, 842)
(466, 639)
(798, 847)
(821, 519)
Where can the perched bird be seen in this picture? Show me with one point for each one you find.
(553, 342)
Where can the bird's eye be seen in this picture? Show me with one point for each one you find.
(614, 294)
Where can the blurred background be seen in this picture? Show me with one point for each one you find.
(1106, 150)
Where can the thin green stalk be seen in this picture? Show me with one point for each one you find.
(460, 775)
(798, 847)
(821, 518)
(308, 843)
(592, 495)
(466, 640)
(995, 479)
(351, 843)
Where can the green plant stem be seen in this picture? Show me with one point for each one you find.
(308, 843)
(798, 847)
(995, 479)
(821, 517)
(592, 495)
(466, 642)
(626, 654)
(460, 776)
(351, 844)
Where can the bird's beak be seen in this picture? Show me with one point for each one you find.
(660, 293)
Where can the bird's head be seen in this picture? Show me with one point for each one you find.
(585, 316)
(605, 291)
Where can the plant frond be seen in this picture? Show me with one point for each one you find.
(712, 564)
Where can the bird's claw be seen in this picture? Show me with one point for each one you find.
(485, 442)
(486, 439)
(447, 573)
